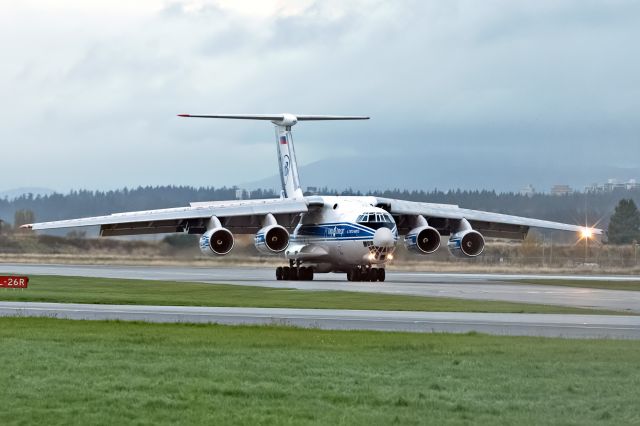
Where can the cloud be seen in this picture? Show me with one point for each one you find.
(92, 89)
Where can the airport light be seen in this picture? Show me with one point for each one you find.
(586, 234)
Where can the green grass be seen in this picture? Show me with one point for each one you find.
(85, 372)
(606, 285)
(116, 291)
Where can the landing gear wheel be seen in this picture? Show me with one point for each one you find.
(279, 273)
(381, 275)
(350, 275)
(370, 275)
(309, 274)
(293, 275)
(306, 273)
(286, 272)
(373, 275)
(357, 274)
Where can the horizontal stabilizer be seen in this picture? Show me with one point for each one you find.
(278, 117)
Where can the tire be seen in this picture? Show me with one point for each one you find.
(373, 275)
(382, 275)
(350, 275)
(294, 274)
(286, 272)
(308, 273)
(279, 273)
(357, 274)
(302, 273)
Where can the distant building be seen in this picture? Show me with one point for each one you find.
(242, 194)
(613, 185)
(591, 188)
(528, 191)
(561, 190)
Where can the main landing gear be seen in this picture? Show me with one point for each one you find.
(366, 274)
(294, 273)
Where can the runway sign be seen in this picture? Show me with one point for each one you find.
(14, 282)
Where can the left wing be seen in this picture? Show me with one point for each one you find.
(446, 217)
(241, 217)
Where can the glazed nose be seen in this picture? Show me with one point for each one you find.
(383, 238)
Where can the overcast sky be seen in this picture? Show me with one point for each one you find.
(89, 90)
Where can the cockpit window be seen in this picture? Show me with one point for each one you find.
(375, 220)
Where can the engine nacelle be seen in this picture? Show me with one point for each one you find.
(422, 240)
(272, 239)
(466, 243)
(216, 241)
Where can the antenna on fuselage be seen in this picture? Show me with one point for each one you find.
(286, 152)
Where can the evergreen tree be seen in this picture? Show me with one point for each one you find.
(624, 227)
(22, 217)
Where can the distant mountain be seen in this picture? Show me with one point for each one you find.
(415, 172)
(11, 194)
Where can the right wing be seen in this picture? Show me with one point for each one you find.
(242, 217)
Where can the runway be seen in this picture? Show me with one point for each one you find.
(568, 326)
(462, 286)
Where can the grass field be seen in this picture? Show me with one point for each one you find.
(77, 372)
(116, 291)
(607, 285)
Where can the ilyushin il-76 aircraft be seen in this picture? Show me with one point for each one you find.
(321, 234)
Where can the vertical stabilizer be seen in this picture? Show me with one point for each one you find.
(287, 161)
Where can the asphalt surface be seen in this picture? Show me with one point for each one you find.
(567, 326)
(462, 286)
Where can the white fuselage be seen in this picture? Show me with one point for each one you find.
(345, 232)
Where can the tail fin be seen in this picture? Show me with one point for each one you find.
(286, 153)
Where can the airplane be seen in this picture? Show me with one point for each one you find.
(356, 235)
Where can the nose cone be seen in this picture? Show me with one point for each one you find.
(383, 238)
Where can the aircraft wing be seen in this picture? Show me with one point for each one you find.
(445, 218)
(237, 216)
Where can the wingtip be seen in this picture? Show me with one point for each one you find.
(27, 226)
(184, 115)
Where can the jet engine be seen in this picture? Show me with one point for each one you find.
(272, 239)
(218, 241)
(422, 240)
(466, 243)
